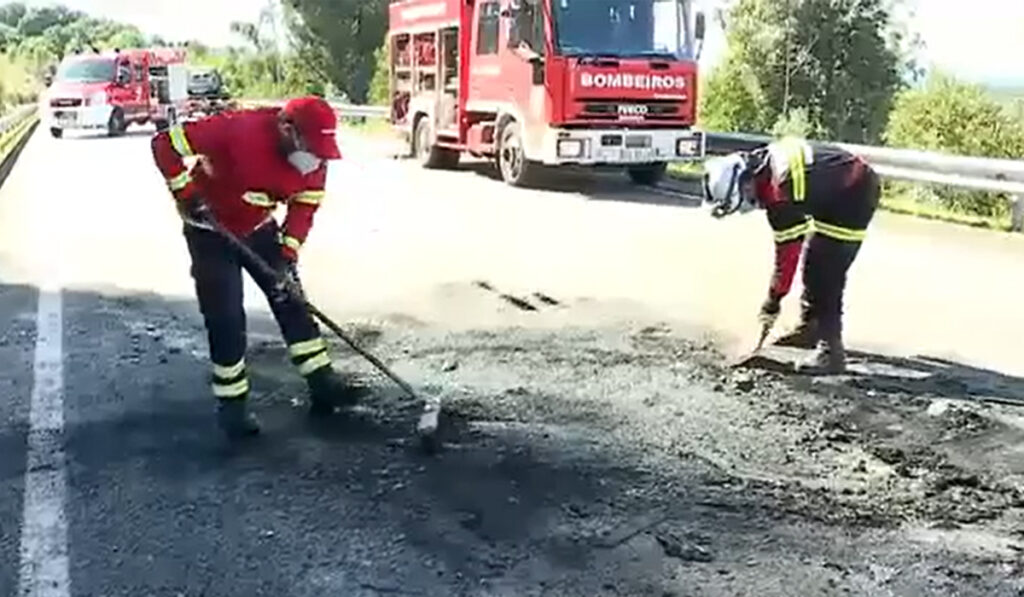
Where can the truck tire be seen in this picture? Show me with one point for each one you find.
(56, 133)
(648, 174)
(117, 124)
(429, 155)
(515, 169)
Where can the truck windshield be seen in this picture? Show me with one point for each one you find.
(86, 71)
(623, 28)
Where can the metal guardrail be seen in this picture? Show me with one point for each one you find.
(14, 124)
(14, 129)
(966, 172)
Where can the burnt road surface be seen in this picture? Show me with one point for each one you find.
(596, 441)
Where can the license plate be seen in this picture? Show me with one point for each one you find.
(65, 118)
(638, 154)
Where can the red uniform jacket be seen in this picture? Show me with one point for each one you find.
(826, 208)
(241, 174)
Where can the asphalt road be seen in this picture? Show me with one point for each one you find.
(595, 443)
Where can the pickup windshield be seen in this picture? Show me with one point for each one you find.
(622, 28)
(93, 70)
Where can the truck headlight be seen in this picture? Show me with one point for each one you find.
(687, 146)
(570, 148)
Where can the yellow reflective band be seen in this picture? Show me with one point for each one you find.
(180, 181)
(180, 141)
(789, 234)
(229, 371)
(797, 167)
(234, 390)
(257, 198)
(839, 232)
(300, 349)
(291, 242)
(314, 363)
(309, 197)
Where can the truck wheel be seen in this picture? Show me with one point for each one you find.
(117, 124)
(515, 169)
(429, 155)
(648, 174)
(56, 133)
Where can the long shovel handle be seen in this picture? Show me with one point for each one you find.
(265, 268)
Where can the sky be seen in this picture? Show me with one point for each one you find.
(979, 40)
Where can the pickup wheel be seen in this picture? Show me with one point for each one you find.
(117, 124)
(648, 174)
(515, 169)
(56, 133)
(428, 154)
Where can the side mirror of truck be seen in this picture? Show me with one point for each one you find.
(47, 79)
(537, 62)
(700, 27)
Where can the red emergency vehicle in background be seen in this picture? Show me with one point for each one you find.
(110, 90)
(528, 82)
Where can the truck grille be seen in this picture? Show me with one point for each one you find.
(647, 110)
(66, 102)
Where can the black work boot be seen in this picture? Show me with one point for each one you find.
(329, 390)
(829, 358)
(234, 419)
(804, 335)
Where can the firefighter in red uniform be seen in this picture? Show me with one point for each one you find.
(249, 161)
(822, 192)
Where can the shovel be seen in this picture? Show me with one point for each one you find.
(427, 426)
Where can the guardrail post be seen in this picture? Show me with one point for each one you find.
(1017, 215)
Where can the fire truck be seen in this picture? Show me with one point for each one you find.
(535, 83)
(110, 90)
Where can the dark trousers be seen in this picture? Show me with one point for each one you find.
(827, 260)
(217, 272)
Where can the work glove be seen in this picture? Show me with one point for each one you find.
(770, 310)
(288, 281)
(193, 210)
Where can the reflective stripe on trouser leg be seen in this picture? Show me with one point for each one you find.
(309, 355)
(230, 382)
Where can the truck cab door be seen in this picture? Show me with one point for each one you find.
(123, 93)
(484, 56)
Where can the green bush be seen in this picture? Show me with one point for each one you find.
(951, 116)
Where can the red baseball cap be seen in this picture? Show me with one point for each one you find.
(317, 124)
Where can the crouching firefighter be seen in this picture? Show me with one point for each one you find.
(822, 193)
(249, 161)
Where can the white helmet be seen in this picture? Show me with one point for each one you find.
(722, 185)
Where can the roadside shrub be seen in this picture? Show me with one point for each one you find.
(951, 116)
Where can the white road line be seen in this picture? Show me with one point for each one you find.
(44, 568)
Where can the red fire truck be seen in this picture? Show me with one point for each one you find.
(547, 82)
(110, 90)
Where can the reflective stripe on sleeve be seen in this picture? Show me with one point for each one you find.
(179, 141)
(258, 199)
(291, 242)
(309, 197)
(180, 181)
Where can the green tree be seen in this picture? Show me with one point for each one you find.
(343, 34)
(840, 61)
(380, 85)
